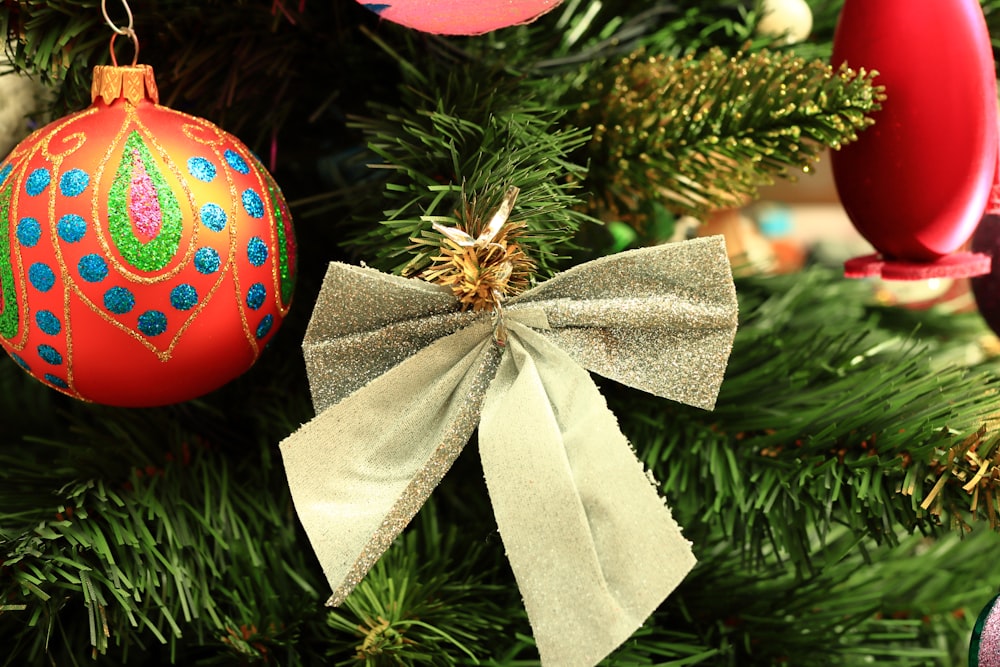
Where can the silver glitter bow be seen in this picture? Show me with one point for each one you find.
(400, 381)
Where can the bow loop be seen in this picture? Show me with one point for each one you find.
(668, 334)
(366, 322)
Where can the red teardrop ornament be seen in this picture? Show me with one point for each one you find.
(916, 183)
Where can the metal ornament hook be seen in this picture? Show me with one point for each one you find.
(128, 31)
(128, 12)
(135, 43)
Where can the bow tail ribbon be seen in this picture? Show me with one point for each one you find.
(592, 545)
(361, 469)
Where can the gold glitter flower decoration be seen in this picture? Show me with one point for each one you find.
(481, 271)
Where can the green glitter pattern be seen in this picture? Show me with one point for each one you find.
(9, 316)
(156, 253)
(286, 252)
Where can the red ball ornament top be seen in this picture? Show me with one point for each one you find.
(146, 256)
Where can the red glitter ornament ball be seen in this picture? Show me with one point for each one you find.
(146, 256)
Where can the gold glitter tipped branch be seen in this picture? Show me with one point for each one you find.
(482, 270)
(976, 471)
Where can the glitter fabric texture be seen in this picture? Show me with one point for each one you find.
(663, 325)
(366, 322)
(400, 380)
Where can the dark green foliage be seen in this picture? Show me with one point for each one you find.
(402, 612)
(477, 138)
(825, 419)
(211, 58)
(796, 515)
(122, 530)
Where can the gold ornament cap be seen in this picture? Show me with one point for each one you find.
(133, 83)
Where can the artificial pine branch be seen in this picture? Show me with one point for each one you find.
(697, 134)
(825, 419)
(153, 535)
(427, 601)
(890, 605)
(212, 58)
(175, 550)
(469, 129)
(57, 41)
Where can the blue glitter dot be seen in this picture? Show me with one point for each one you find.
(5, 172)
(74, 182)
(37, 181)
(71, 228)
(41, 277)
(20, 362)
(57, 381)
(28, 232)
(119, 300)
(48, 322)
(201, 169)
(183, 297)
(152, 323)
(49, 355)
(265, 326)
(213, 217)
(252, 204)
(257, 251)
(237, 162)
(206, 260)
(256, 295)
(92, 268)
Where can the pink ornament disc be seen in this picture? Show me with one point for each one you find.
(460, 17)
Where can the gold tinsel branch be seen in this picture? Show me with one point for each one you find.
(697, 134)
(481, 261)
(974, 466)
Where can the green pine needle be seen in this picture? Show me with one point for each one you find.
(423, 603)
(471, 129)
(823, 423)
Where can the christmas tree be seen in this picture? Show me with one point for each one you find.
(841, 498)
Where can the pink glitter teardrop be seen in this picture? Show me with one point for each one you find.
(143, 204)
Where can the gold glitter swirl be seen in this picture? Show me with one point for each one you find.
(198, 131)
